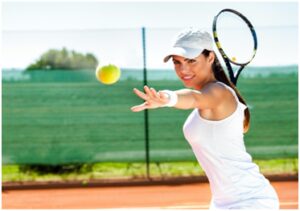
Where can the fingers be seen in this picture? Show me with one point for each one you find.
(139, 107)
(154, 93)
(140, 94)
(150, 94)
(152, 98)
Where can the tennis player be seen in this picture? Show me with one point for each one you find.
(216, 126)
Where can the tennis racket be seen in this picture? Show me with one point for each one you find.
(236, 40)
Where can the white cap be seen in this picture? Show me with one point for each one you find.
(190, 43)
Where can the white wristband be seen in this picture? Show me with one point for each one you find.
(173, 98)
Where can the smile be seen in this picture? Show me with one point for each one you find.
(187, 78)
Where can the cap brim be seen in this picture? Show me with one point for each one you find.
(189, 53)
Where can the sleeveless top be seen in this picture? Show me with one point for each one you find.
(220, 150)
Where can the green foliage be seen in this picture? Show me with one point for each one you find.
(86, 172)
(64, 60)
(46, 169)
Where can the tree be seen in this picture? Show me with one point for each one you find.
(64, 60)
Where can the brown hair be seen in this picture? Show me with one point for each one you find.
(220, 75)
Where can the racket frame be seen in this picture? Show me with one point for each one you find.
(233, 75)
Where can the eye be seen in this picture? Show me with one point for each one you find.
(176, 62)
(191, 61)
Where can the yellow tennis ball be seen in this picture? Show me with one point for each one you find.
(233, 59)
(108, 74)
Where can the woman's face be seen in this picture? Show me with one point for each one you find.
(194, 73)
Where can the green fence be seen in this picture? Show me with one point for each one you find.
(60, 117)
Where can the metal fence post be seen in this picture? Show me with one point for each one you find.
(146, 110)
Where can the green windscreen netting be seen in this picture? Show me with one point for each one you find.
(57, 117)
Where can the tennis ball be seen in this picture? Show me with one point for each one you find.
(108, 74)
(233, 59)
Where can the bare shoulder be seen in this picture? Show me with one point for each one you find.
(214, 96)
(216, 89)
(224, 100)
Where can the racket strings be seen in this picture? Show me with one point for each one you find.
(234, 37)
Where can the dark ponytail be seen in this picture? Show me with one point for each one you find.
(221, 76)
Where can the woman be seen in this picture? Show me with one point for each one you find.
(215, 127)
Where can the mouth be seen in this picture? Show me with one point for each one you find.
(187, 78)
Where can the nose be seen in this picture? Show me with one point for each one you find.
(184, 68)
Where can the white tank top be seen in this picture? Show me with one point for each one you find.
(219, 148)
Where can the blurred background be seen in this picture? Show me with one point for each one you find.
(60, 123)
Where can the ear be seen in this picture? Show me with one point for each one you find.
(211, 58)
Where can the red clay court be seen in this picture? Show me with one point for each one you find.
(185, 196)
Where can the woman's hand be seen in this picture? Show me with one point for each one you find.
(153, 99)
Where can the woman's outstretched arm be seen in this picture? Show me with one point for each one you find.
(210, 97)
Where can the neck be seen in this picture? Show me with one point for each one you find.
(209, 80)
